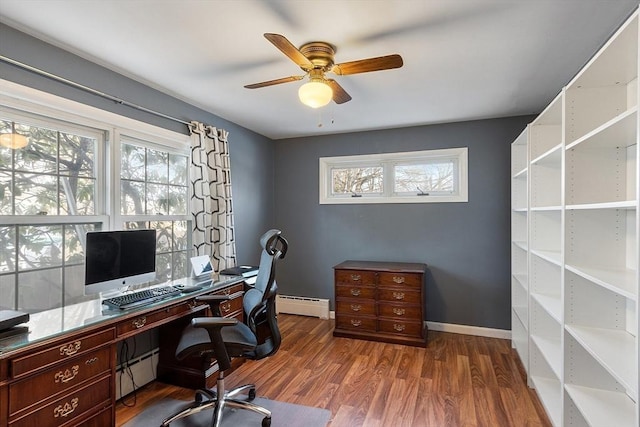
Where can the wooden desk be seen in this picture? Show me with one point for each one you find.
(62, 373)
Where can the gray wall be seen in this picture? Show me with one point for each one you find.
(466, 245)
(252, 155)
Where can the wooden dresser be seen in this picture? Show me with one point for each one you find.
(381, 301)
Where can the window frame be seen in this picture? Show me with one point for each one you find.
(35, 107)
(389, 161)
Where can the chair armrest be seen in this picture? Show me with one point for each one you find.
(215, 300)
(213, 322)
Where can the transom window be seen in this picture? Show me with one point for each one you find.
(408, 177)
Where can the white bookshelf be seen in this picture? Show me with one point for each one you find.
(583, 243)
(520, 246)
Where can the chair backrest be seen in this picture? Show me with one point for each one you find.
(260, 302)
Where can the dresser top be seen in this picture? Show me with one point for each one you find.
(406, 267)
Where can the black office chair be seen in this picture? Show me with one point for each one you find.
(222, 338)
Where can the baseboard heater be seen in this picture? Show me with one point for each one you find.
(315, 307)
(143, 370)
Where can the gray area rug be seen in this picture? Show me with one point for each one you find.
(282, 414)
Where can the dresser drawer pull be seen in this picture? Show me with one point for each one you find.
(356, 322)
(398, 295)
(356, 277)
(225, 307)
(399, 311)
(398, 327)
(66, 409)
(139, 322)
(398, 279)
(227, 292)
(66, 375)
(356, 307)
(355, 292)
(71, 348)
(91, 361)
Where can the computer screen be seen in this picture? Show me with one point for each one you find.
(115, 259)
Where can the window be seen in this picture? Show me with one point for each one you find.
(154, 194)
(409, 177)
(83, 170)
(48, 201)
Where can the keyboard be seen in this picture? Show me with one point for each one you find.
(142, 297)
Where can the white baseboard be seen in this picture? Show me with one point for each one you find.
(461, 329)
(143, 370)
(470, 330)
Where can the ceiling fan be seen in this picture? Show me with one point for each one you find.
(316, 59)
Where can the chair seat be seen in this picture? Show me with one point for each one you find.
(238, 339)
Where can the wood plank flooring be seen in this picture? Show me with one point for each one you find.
(458, 380)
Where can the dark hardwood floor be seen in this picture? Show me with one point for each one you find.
(457, 380)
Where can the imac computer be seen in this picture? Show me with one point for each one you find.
(119, 258)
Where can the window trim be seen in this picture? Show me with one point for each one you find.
(389, 161)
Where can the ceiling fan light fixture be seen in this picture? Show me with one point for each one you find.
(13, 140)
(315, 93)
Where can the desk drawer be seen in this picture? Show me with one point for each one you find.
(61, 351)
(356, 291)
(356, 323)
(400, 311)
(154, 318)
(399, 295)
(401, 327)
(67, 408)
(405, 280)
(356, 307)
(355, 277)
(229, 307)
(25, 393)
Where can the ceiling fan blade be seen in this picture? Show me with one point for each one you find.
(340, 96)
(274, 82)
(366, 65)
(289, 49)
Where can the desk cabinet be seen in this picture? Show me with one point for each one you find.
(381, 301)
(68, 382)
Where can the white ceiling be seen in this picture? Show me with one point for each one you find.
(463, 59)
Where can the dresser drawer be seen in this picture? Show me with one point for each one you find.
(355, 291)
(25, 393)
(399, 295)
(400, 311)
(355, 277)
(405, 280)
(356, 307)
(356, 323)
(155, 318)
(230, 290)
(105, 418)
(61, 351)
(70, 407)
(400, 327)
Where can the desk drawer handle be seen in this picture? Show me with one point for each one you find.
(226, 307)
(398, 295)
(66, 409)
(139, 322)
(398, 327)
(71, 348)
(66, 375)
(399, 311)
(356, 323)
(356, 307)
(355, 292)
(398, 279)
(356, 277)
(91, 361)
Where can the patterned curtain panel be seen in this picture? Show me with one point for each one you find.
(211, 206)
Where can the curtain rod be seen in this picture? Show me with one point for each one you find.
(88, 89)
